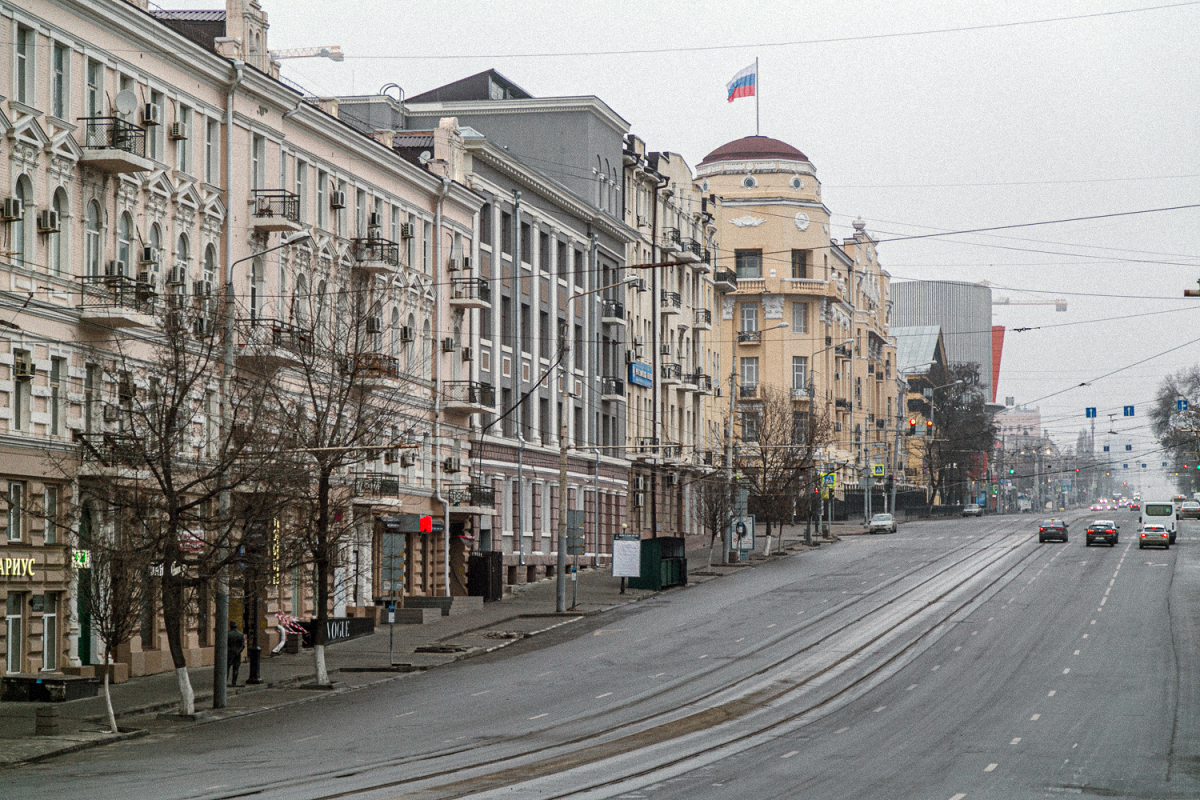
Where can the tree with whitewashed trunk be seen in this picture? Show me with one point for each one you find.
(114, 596)
(159, 457)
(714, 505)
(349, 407)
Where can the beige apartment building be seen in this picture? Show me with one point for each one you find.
(147, 154)
(673, 431)
(801, 312)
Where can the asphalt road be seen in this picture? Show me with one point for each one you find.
(955, 659)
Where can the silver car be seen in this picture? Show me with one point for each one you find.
(972, 510)
(882, 523)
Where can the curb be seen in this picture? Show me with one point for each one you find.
(76, 747)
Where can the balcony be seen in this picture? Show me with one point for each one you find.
(471, 498)
(702, 382)
(800, 394)
(671, 302)
(647, 448)
(749, 338)
(705, 264)
(112, 145)
(274, 210)
(748, 392)
(612, 389)
(672, 452)
(725, 280)
(470, 293)
(379, 485)
(842, 404)
(670, 374)
(468, 397)
(270, 344)
(612, 312)
(115, 301)
(374, 256)
(842, 350)
(690, 250)
(376, 371)
(110, 450)
(671, 240)
(703, 319)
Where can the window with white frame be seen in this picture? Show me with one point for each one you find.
(322, 201)
(56, 242)
(212, 151)
(50, 515)
(50, 632)
(91, 237)
(15, 500)
(58, 396)
(22, 394)
(749, 317)
(749, 372)
(258, 162)
(14, 605)
(21, 244)
(23, 82)
(302, 188)
(799, 374)
(799, 317)
(94, 93)
(125, 241)
(183, 147)
(60, 88)
(154, 135)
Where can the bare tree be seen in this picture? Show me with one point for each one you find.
(114, 596)
(160, 458)
(1178, 429)
(777, 456)
(715, 501)
(963, 432)
(348, 405)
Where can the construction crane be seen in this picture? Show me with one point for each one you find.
(1060, 304)
(333, 53)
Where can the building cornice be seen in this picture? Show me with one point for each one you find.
(534, 105)
(774, 201)
(760, 166)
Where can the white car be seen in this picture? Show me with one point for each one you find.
(882, 523)
(972, 510)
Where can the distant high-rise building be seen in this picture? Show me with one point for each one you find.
(962, 310)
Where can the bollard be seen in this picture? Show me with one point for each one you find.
(46, 721)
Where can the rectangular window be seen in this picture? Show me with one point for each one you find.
(580, 267)
(426, 246)
(13, 635)
(212, 151)
(485, 225)
(579, 348)
(22, 394)
(799, 263)
(561, 265)
(749, 372)
(395, 233)
(506, 244)
(50, 515)
(360, 213)
(510, 421)
(16, 511)
(749, 263)
(749, 316)
(183, 147)
(749, 426)
(799, 317)
(506, 321)
(50, 632)
(580, 433)
(154, 134)
(24, 73)
(302, 188)
(58, 406)
(544, 252)
(410, 252)
(95, 88)
(799, 374)
(526, 324)
(258, 162)
(526, 243)
(547, 344)
(91, 397)
(322, 202)
(62, 81)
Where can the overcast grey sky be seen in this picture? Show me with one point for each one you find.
(917, 134)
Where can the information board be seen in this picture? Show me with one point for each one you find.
(627, 555)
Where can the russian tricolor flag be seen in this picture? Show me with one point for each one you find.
(743, 83)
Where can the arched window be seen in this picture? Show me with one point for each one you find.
(182, 265)
(410, 358)
(300, 302)
(394, 331)
(155, 245)
(91, 238)
(21, 246)
(318, 303)
(427, 343)
(125, 242)
(256, 288)
(57, 242)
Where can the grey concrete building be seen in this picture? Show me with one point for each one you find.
(962, 310)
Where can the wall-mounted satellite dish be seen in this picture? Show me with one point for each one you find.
(424, 157)
(125, 102)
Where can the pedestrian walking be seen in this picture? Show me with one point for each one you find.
(236, 642)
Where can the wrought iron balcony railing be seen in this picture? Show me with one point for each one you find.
(113, 133)
(276, 204)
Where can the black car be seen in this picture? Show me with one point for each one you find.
(1102, 531)
(1052, 529)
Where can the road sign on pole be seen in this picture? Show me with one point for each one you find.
(1129, 411)
(1181, 405)
(1090, 412)
(878, 470)
(829, 480)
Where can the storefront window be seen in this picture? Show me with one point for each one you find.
(50, 633)
(12, 632)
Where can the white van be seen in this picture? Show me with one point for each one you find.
(1161, 512)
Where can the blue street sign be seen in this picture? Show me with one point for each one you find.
(1128, 447)
(1125, 466)
(1106, 448)
(1090, 412)
(1129, 411)
(1143, 466)
(1181, 405)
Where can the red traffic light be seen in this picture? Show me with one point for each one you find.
(928, 423)
(426, 524)
(912, 421)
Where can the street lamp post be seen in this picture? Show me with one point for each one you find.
(225, 502)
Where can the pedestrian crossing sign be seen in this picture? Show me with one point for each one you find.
(877, 470)
(829, 479)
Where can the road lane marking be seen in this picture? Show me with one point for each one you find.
(789, 754)
(990, 767)
(772, 625)
(1103, 600)
(1085, 636)
(735, 641)
(990, 619)
(703, 656)
(1106, 591)
(1093, 622)
(909, 689)
(539, 716)
(606, 694)
(1035, 718)
(405, 714)
(841, 730)
(958, 796)
(308, 738)
(603, 631)
(936, 667)
(477, 694)
(1114, 580)
(659, 674)
(1065, 671)
(974, 633)
(958, 648)
(881, 708)
(1076, 653)
(1051, 693)
(1017, 740)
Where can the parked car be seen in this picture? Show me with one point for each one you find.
(1135, 506)
(972, 510)
(1102, 531)
(1052, 529)
(1154, 535)
(1189, 510)
(882, 523)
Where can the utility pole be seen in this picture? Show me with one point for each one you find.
(560, 604)
(726, 543)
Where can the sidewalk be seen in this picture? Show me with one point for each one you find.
(147, 704)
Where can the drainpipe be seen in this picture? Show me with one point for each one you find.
(596, 329)
(656, 392)
(225, 503)
(517, 377)
(443, 190)
(596, 494)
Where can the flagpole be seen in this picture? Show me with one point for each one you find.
(757, 131)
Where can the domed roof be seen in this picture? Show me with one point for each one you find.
(754, 147)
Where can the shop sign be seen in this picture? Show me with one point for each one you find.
(641, 374)
(16, 567)
(81, 559)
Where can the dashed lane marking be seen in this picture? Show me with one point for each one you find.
(958, 648)
(1051, 693)
(735, 641)
(990, 767)
(485, 691)
(881, 708)
(789, 754)
(606, 694)
(909, 689)
(1035, 718)
(1085, 636)
(539, 716)
(1016, 740)
(772, 625)
(703, 656)
(1065, 671)
(958, 796)
(1075, 653)
(405, 714)
(935, 667)
(841, 730)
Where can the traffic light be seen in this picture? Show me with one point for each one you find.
(912, 427)
(929, 425)
(1012, 471)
